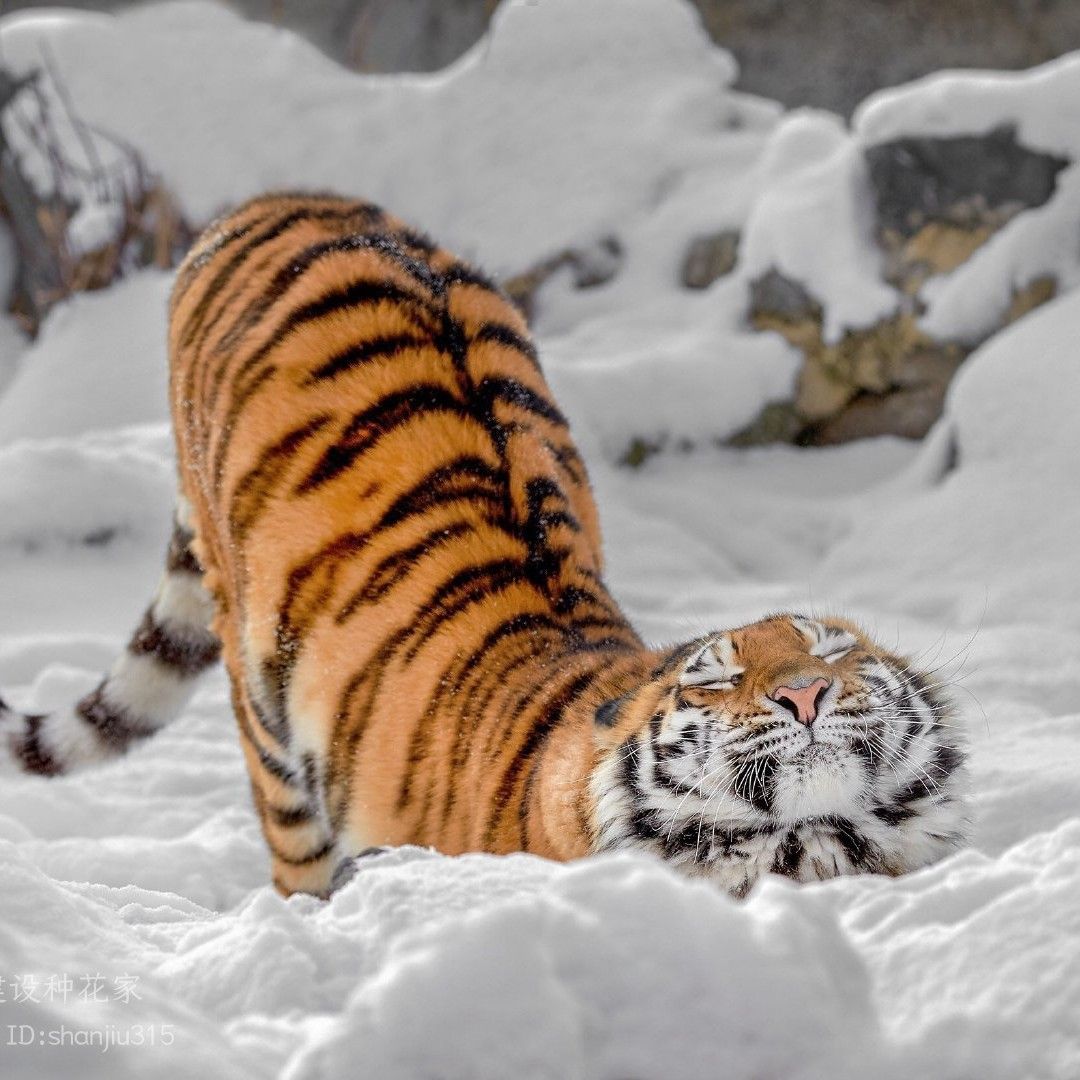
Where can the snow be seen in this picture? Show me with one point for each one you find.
(814, 223)
(456, 152)
(12, 346)
(451, 151)
(971, 301)
(961, 549)
(93, 227)
(973, 102)
(101, 389)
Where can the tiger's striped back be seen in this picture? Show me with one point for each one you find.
(399, 537)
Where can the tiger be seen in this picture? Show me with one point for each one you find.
(386, 532)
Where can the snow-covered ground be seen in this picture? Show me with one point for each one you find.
(962, 549)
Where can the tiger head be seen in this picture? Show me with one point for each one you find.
(791, 745)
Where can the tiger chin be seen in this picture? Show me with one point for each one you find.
(386, 532)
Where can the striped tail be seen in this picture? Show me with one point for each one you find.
(147, 687)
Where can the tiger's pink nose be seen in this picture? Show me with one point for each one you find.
(802, 701)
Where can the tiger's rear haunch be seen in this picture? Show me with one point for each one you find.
(400, 551)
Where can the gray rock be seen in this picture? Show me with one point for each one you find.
(589, 266)
(596, 264)
(710, 257)
(781, 297)
(957, 179)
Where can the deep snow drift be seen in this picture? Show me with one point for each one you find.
(480, 968)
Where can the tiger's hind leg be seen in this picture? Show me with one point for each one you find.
(147, 687)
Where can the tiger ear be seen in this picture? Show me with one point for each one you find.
(608, 716)
(607, 713)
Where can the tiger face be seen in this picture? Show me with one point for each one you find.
(792, 745)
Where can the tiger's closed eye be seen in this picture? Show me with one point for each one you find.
(837, 654)
(827, 642)
(721, 684)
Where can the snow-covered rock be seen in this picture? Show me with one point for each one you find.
(949, 210)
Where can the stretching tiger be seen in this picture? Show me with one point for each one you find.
(386, 531)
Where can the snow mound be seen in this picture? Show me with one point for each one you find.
(973, 102)
(99, 364)
(988, 534)
(527, 120)
(814, 222)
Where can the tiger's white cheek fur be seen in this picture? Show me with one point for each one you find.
(682, 724)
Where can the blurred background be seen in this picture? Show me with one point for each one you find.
(857, 45)
(850, 260)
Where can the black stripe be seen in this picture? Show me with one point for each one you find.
(228, 425)
(513, 392)
(675, 659)
(342, 297)
(179, 557)
(477, 664)
(253, 490)
(32, 753)
(553, 714)
(112, 723)
(537, 625)
(501, 334)
(789, 855)
(443, 485)
(415, 239)
(945, 761)
(728, 839)
(862, 852)
(569, 460)
(368, 680)
(265, 236)
(753, 782)
(312, 856)
(274, 766)
(355, 295)
(385, 416)
(290, 817)
(894, 815)
(222, 238)
(396, 567)
(275, 674)
(545, 562)
(464, 589)
(465, 477)
(357, 355)
(187, 653)
(460, 273)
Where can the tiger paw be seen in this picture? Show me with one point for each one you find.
(346, 870)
